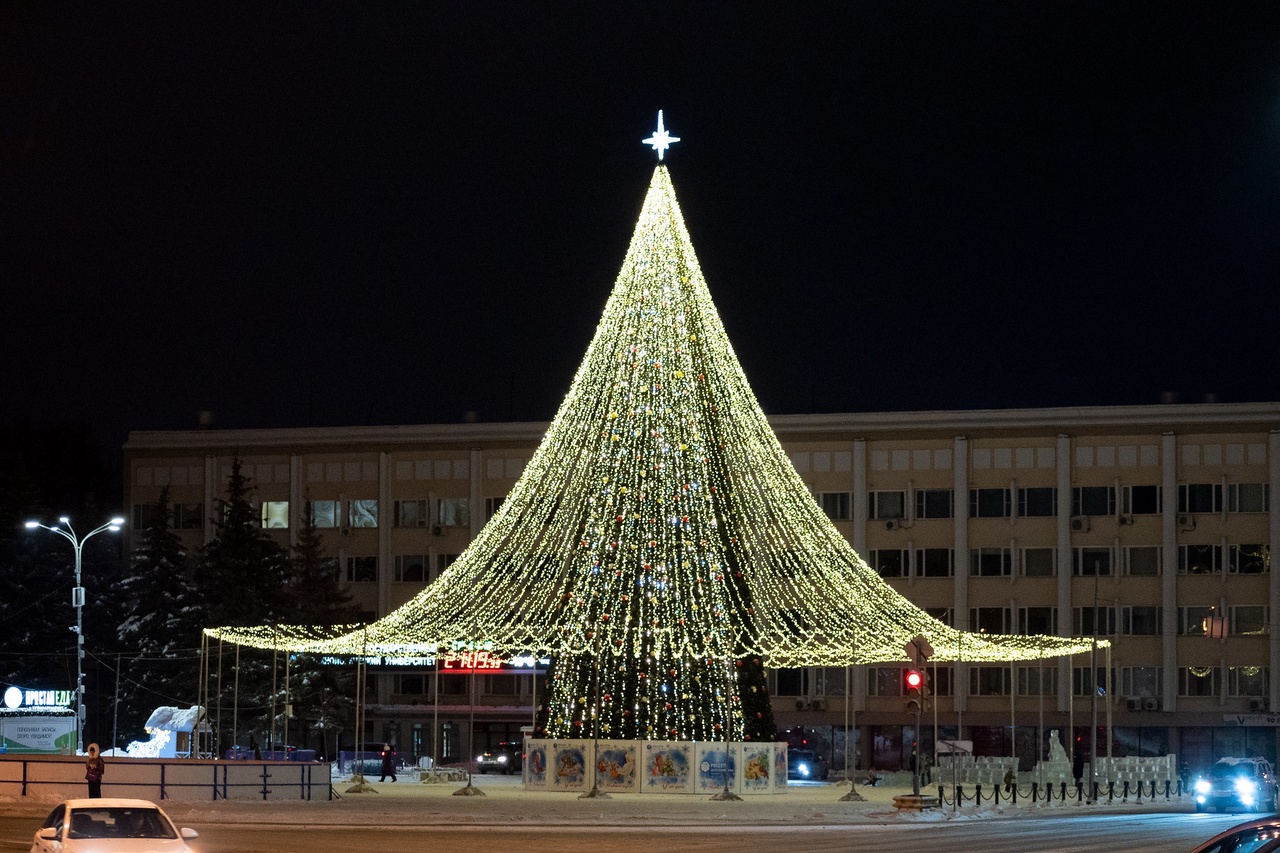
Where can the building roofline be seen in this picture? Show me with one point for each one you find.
(1221, 417)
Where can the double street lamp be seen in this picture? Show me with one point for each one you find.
(66, 531)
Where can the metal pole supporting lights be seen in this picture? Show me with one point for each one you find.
(66, 531)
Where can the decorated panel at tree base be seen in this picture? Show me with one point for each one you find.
(661, 767)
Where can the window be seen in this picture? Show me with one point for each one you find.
(1248, 620)
(1248, 559)
(1093, 500)
(934, 562)
(1038, 620)
(791, 681)
(411, 685)
(453, 512)
(1037, 681)
(885, 505)
(1200, 497)
(144, 515)
(1247, 680)
(1081, 682)
(362, 513)
(836, 505)
(989, 503)
(362, 569)
(1093, 621)
(934, 503)
(942, 614)
(1091, 561)
(990, 620)
(1142, 681)
(990, 562)
(502, 685)
(275, 515)
(890, 563)
(884, 681)
(188, 516)
(491, 506)
(1142, 500)
(1248, 497)
(989, 681)
(411, 514)
(326, 513)
(1038, 502)
(1199, 559)
(1039, 562)
(1194, 621)
(1197, 681)
(411, 568)
(1140, 621)
(444, 561)
(1142, 560)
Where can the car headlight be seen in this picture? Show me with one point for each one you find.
(502, 759)
(1203, 786)
(803, 769)
(1246, 787)
(479, 758)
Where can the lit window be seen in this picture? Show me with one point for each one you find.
(326, 513)
(454, 512)
(275, 515)
(362, 513)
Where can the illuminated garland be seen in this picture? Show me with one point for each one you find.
(659, 524)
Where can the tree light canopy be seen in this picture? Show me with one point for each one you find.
(660, 521)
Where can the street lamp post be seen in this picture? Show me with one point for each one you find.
(66, 531)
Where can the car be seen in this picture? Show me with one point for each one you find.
(1237, 784)
(806, 765)
(118, 825)
(1255, 836)
(506, 757)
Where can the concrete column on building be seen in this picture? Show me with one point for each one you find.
(1273, 577)
(477, 494)
(1169, 568)
(860, 513)
(960, 607)
(210, 495)
(861, 516)
(1062, 457)
(385, 520)
(297, 497)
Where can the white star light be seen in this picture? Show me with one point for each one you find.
(661, 140)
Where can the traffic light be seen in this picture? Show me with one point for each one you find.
(914, 689)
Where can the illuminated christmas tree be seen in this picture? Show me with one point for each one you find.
(660, 547)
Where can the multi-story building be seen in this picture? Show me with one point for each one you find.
(1148, 526)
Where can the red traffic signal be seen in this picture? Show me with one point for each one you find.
(913, 686)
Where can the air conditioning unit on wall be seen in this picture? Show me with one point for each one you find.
(1133, 703)
(1079, 523)
(1151, 704)
(1257, 703)
(1186, 521)
(893, 524)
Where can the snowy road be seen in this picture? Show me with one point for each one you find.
(1148, 833)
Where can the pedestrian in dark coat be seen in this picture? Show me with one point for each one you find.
(388, 763)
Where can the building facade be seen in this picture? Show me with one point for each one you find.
(1148, 526)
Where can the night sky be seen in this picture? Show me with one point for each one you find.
(309, 214)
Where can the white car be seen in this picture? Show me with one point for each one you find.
(110, 826)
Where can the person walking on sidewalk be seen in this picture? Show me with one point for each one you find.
(388, 763)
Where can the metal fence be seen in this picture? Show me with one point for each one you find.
(183, 780)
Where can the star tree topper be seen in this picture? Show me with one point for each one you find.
(661, 140)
